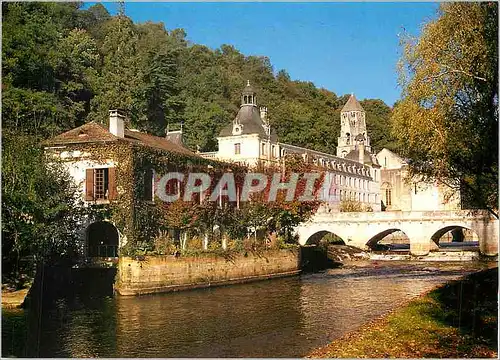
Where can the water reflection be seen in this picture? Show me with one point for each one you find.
(279, 318)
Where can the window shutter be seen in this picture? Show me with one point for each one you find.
(112, 184)
(148, 184)
(89, 184)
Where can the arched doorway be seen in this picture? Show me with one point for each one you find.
(102, 240)
(456, 238)
(390, 240)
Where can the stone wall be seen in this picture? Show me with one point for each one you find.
(154, 274)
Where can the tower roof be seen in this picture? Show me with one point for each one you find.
(251, 123)
(352, 105)
(248, 89)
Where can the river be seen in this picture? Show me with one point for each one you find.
(285, 317)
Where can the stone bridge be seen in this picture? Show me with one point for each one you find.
(423, 228)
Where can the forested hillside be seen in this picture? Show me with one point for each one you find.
(64, 66)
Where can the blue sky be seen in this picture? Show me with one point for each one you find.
(343, 47)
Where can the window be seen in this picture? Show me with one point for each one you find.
(148, 185)
(100, 184)
(388, 200)
(237, 148)
(274, 151)
(263, 148)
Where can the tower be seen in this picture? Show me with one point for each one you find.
(248, 96)
(352, 128)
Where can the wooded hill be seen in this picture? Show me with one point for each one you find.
(64, 66)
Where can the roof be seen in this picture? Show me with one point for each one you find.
(87, 133)
(352, 105)
(248, 89)
(251, 123)
(93, 132)
(368, 158)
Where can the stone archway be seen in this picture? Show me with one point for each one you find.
(329, 236)
(102, 240)
(317, 236)
(456, 236)
(390, 239)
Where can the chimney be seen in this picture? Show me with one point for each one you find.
(175, 136)
(361, 153)
(117, 123)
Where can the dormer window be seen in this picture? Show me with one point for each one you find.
(236, 129)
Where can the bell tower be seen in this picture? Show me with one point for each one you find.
(248, 96)
(352, 124)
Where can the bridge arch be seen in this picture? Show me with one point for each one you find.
(315, 238)
(374, 240)
(459, 236)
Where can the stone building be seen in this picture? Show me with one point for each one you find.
(399, 192)
(355, 175)
(98, 157)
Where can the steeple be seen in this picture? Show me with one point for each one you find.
(352, 128)
(248, 95)
(352, 104)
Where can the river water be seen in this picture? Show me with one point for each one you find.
(285, 317)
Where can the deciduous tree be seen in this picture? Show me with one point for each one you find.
(447, 120)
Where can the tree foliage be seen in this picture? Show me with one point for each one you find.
(64, 66)
(41, 208)
(448, 117)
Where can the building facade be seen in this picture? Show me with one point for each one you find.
(399, 192)
(354, 172)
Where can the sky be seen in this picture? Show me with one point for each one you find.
(343, 47)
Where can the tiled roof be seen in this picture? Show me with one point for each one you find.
(156, 142)
(93, 132)
(87, 133)
(352, 104)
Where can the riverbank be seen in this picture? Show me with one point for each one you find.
(456, 320)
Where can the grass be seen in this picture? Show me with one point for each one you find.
(457, 320)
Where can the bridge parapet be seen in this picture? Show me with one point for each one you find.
(391, 216)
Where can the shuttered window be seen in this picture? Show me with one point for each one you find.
(148, 184)
(100, 184)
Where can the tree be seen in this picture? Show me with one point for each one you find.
(447, 120)
(117, 85)
(41, 208)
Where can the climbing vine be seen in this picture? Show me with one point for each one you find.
(140, 220)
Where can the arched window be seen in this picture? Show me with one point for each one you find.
(388, 195)
(387, 191)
